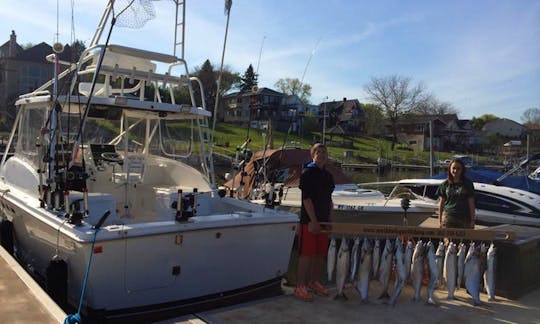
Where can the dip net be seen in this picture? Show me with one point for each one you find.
(133, 13)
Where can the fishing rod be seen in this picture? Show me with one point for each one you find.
(270, 190)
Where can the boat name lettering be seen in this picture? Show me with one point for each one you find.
(349, 207)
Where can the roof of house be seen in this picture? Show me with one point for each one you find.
(39, 52)
(346, 108)
(496, 122)
(4, 48)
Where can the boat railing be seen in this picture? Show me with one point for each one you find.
(132, 64)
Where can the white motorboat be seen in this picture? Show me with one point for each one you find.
(271, 178)
(101, 174)
(494, 204)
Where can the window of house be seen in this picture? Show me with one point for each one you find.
(31, 77)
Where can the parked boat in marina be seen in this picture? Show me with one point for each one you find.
(272, 177)
(494, 204)
(101, 173)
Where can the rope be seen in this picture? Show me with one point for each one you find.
(76, 318)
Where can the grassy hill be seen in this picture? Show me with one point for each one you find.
(364, 149)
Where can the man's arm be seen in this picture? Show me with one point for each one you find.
(313, 225)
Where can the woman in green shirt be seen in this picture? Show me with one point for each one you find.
(456, 198)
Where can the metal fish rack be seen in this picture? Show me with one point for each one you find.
(391, 231)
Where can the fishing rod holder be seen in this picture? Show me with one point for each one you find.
(271, 198)
(185, 205)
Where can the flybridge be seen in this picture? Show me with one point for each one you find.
(138, 108)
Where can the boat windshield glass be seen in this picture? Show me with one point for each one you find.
(31, 123)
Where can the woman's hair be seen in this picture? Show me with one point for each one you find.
(450, 177)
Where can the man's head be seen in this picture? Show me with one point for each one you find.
(319, 154)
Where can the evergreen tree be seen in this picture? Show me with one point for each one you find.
(248, 80)
(208, 78)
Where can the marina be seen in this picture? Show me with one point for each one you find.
(111, 210)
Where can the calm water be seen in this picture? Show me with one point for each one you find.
(357, 176)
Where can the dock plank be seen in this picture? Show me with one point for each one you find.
(23, 300)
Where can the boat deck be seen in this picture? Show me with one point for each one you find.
(23, 300)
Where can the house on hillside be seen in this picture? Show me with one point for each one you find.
(24, 70)
(241, 107)
(264, 106)
(348, 114)
(505, 128)
(460, 136)
(415, 132)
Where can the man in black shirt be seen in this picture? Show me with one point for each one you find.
(317, 186)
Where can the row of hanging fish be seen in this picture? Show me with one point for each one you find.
(452, 265)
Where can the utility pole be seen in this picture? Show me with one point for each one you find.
(324, 121)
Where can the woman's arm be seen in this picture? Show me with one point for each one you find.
(472, 211)
(441, 204)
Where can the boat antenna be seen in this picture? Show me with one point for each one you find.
(309, 60)
(260, 54)
(228, 5)
(284, 141)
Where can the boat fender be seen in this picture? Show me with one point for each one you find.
(57, 276)
(6, 235)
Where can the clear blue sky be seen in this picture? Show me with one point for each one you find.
(482, 56)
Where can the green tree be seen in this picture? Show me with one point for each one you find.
(208, 77)
(248, 80)
(396, 96)
(294, 87)
(478, 123)
(433, 106)
(374, 119)
(77, 48)
(209, 82)
(531, 116)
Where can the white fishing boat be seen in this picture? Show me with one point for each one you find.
(101, 174)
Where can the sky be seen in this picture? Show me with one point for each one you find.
(481, 56)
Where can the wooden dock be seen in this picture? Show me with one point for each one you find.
(23, 300)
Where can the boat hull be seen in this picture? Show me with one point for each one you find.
(163, 265)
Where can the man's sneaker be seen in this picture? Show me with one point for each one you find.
(303, 294)
(318, 289)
